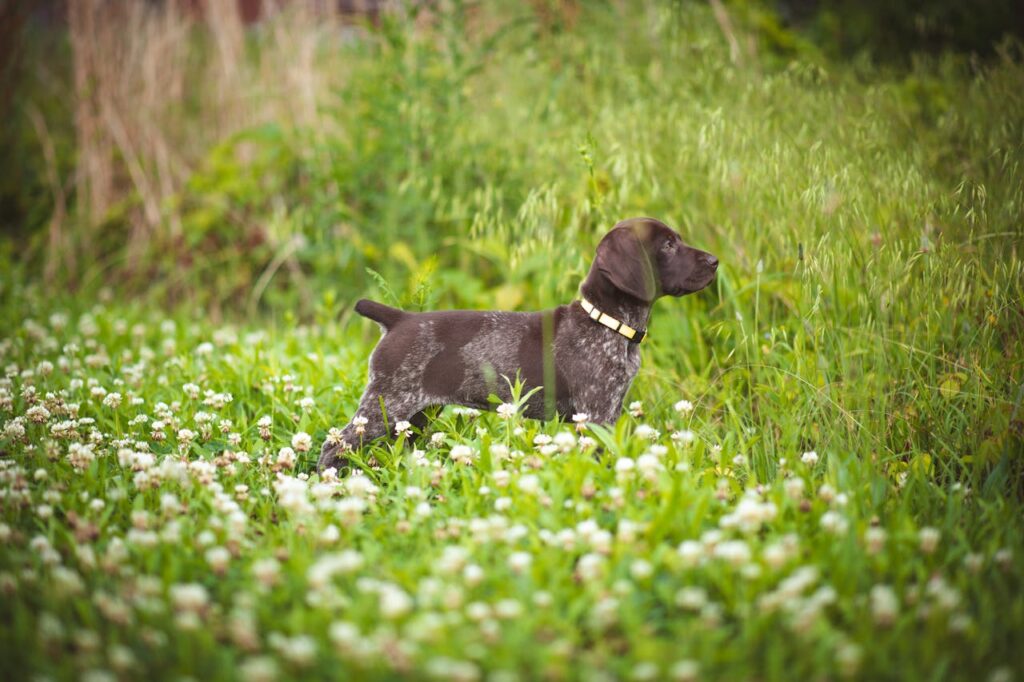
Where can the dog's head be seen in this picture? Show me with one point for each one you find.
(645, 259)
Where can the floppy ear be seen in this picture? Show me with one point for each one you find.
(622, 258)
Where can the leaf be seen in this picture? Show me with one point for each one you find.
(952, 385)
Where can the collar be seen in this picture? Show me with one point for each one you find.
(634, 335)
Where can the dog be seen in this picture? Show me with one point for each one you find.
(581, 357)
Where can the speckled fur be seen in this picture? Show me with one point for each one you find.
(580, 366)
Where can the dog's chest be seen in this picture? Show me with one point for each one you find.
(603, 364)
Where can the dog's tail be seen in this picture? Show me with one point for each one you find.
(384, 315)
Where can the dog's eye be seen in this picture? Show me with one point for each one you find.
(668, 246)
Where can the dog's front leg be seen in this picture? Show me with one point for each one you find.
(600, 410)
(368, 423)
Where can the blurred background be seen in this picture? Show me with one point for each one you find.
(254, 155)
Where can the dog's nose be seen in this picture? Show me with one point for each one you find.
(711, 261)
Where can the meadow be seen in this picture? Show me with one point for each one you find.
(818, 473)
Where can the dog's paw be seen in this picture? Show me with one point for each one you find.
(332, 457)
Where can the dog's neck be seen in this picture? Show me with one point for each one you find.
(608, 299)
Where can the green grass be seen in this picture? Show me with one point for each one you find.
(868, 309)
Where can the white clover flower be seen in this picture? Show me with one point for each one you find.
(564, 441)
(437, 439)
(636, 409)
(329, 535)
(809, 458)
(874, 539)
(647, 432)
(624, 465)
(292, 494)
(519, 562)
(581, 418)
(750, 514)
(974, 562)
(320, 574)
(302, 441)
(218, 558)
(81, 455)
(344, 635)
(834, 522)
(529, 484)
(402, 427)
(506, 410)
(627, 531)
(775, 555)
(263, 424)
(733, 552)
(641, 569)
(266, 571)
(286, 457)
(684, 671)
(15, 429)
(683, 437)
(473, 574)
(943, 595)
(848, 657)
(648, 465)
(463, 454)
(590, 567)
(186, 436)
(477, 611)
(690, 552)
(507, 609)
(683, 407)
(259, 669)
(189, 597)
(644, 671)
(37, 414)
(299, 650)
(885, 606)
(452, 560)
(794, 488)
(394, 602)
(217, 400)
(452, 670)
(929, 539)
(358, 485)
(112, 400)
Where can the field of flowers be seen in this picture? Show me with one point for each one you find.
(160, 512)
(818, 471)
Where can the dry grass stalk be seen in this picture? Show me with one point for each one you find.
(147, 112)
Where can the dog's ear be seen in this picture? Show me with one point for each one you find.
(623, 259)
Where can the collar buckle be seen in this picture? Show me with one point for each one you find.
(632, 335)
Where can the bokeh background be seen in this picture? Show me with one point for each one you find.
(261, 156)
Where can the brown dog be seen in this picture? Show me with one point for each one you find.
(582, 356)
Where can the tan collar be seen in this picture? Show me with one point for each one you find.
(634, 335)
